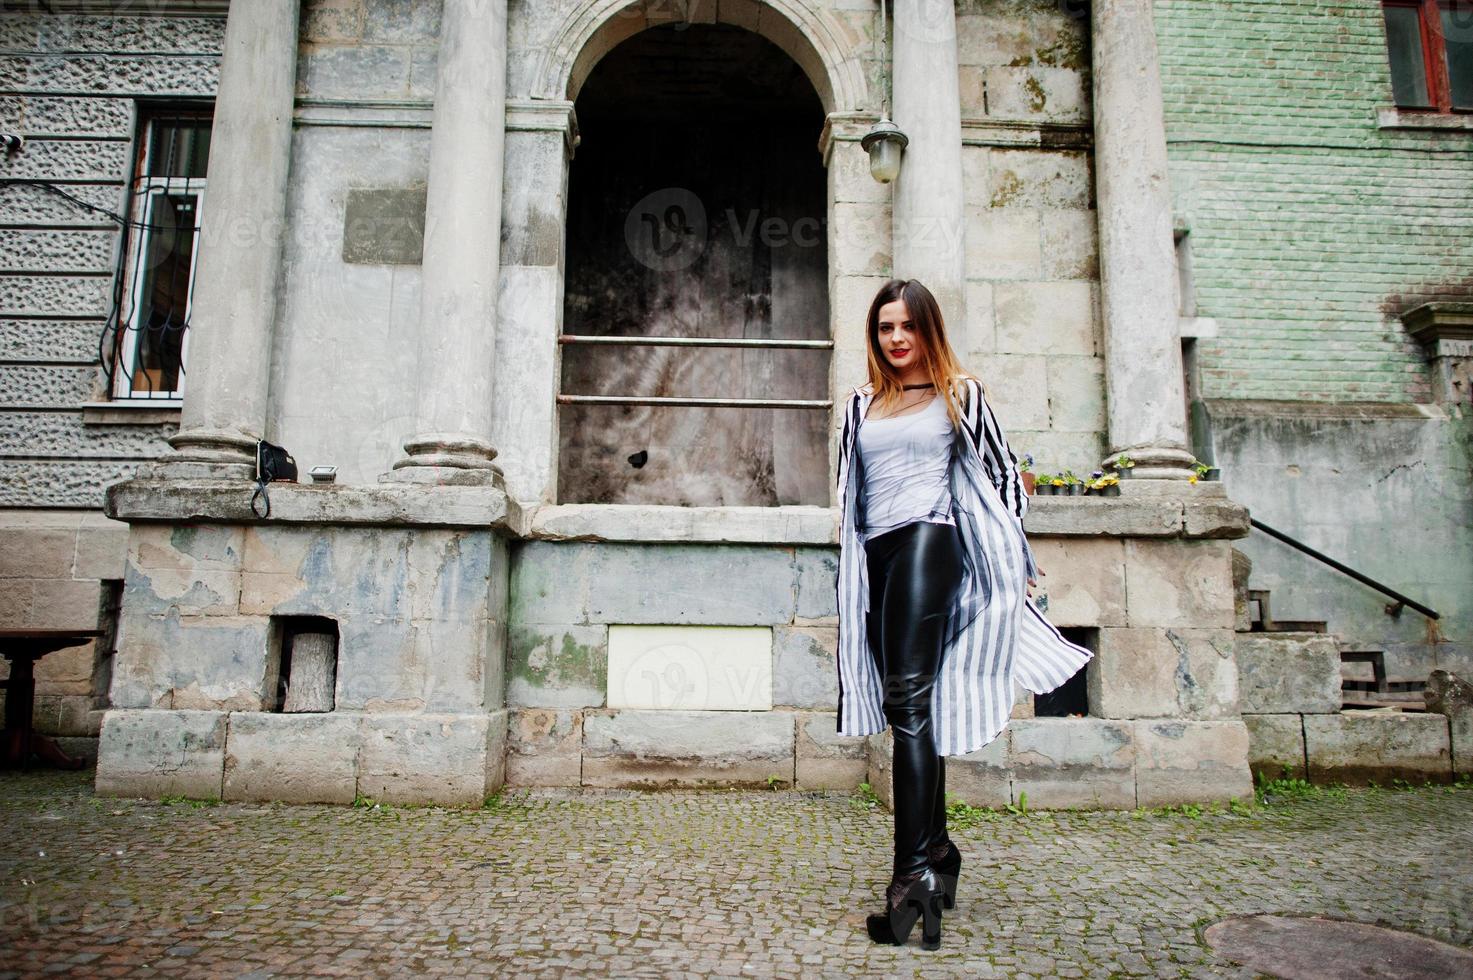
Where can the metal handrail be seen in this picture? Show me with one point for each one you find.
(688, 402)
(1401, 600)
(753, 342)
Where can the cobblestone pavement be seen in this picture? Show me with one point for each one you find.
(550, 882)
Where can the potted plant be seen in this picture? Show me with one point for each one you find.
(1074, 486)
(1026, 468)
(1123, 465)
(1105, 486)
(1043, 485)
(1201, 471)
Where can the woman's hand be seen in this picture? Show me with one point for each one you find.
(1033, 583)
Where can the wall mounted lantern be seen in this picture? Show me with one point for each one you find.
(883, 143)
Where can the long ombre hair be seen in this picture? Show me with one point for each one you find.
(942, 366)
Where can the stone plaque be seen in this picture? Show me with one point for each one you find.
(690, 667)
(384, 226)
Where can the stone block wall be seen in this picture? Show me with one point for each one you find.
(1163, 722)
(71, 84)
(1032, 329)
(334, 757)
(1291, 701)
(565, 595)
(59, 570)
(1069, 763)
(418, 613)
(418, 705)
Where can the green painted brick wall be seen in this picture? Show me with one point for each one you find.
(1310, 226)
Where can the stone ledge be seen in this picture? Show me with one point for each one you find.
(383, 505)
(1147, 508)
(1392, 117)
(650, 522)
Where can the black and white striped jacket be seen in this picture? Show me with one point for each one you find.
(995, 634)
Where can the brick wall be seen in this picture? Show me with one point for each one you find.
(1310, 225)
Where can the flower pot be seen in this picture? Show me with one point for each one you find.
(1113, 490)
(1028, 483)
(1076, 489)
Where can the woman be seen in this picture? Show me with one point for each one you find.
(935, 620)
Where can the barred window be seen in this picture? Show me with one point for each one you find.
(1430, 47)
(148, 331)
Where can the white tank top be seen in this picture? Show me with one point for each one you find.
(907, 459)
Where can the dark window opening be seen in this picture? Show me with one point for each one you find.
(1071, 699)
(109, 611)
(301, 673)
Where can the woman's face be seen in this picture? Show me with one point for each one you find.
(898, 340)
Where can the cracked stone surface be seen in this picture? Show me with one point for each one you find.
(552, 882)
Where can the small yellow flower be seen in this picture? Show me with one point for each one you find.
(1192, 478)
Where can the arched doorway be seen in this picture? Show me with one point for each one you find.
(697, 209)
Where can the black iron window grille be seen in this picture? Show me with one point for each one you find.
(145, 343)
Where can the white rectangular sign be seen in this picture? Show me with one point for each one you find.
(690, 668)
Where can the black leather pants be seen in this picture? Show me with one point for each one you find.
(914, 574)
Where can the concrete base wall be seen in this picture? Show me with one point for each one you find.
(653, 749)
(1067, 763)
(1354, 747)
(333, 757)
(419, 614)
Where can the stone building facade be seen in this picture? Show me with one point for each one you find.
(429, 237)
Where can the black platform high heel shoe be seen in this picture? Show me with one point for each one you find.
(909, 898)
(947, 863)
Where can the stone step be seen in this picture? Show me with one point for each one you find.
(1382, 701)
(1266, 623)
(1299, 626)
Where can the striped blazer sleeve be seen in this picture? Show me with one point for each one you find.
(999, 462)
(843, 453)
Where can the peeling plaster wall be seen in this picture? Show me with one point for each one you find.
(1384, 489)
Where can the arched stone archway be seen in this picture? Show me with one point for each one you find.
(813, 40)
(542, 134)
(696, 215)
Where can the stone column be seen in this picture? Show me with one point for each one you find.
(541, 135)
(1138, 284)
(462, 242)
(929, 216)
(242, 230)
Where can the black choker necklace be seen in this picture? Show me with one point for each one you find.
(928, 384)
